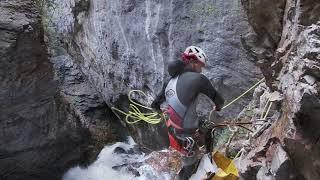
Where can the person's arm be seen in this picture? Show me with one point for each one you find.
(160, 98)
(207, 89)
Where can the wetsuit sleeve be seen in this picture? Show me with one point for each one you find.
(207, 89)
(160, 98)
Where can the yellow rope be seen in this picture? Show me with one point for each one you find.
(265, 116)
(236, 99)
(238, 154)
(135, 115)
(238, 96)
(264, 109)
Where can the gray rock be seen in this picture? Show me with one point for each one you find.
(40, 135)
(281, 166)
(130, 167)
(93, 113)
(43, 131)
(264, 174)
(295, 74)
(119, 150)
(266, 20)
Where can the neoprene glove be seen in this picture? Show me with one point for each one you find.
(218, 108)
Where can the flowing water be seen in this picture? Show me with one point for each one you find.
(111, 165)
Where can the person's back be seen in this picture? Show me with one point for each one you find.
(188, 87)
(181, 94)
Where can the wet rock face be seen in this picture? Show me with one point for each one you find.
(266, 20)
(127, 44)
(302, 91)
(38, 130)
(43, 131)
(295, 73)
(168, 161)
(93, 113)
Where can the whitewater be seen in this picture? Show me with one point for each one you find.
(102, 169)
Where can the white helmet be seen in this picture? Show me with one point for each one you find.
(193, 53)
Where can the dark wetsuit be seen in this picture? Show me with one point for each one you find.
(181, 93)
(187, 88)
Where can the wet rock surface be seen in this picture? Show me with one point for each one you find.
(40, 135)
(131, 168)
(93, 113)
(266, 20)
(43, 130)
(165, 161)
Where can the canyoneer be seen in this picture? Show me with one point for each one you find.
(181, 94)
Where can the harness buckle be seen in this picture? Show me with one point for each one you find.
(188, 145)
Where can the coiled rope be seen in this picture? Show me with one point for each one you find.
(135, 115)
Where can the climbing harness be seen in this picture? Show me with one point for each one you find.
(189, 145)
(184, 145)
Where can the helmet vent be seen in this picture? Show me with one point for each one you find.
(193, 53)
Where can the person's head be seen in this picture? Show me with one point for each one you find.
(195, 58)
